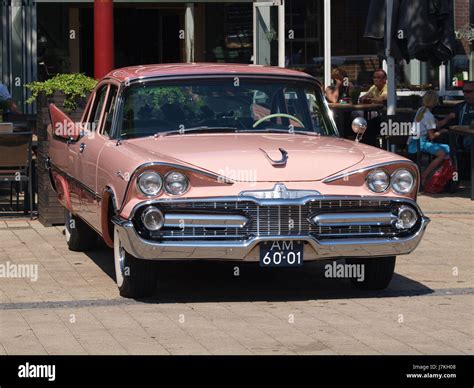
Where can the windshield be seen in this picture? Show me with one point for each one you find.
(223, 105)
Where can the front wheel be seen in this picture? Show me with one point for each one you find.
(378, 272)
(135, 277)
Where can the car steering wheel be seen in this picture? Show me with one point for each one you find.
(277, 115)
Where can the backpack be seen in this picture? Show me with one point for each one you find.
(442, 176)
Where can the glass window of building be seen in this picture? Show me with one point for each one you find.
(304, 40)
(229, 33)
(350, 51)
(461, 67)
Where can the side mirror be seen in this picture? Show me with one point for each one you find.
(359, 125)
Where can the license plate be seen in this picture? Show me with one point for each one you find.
(281, 253)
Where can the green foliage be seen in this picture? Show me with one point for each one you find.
(163, 95)
(74, 86)
(354, 94)
(151, 101)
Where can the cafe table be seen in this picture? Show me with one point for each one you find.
(366, 108)
(347, 109)
(466, 130)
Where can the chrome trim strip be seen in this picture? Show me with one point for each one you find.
(354, 219)
(374, 166)
(77, 182)
(181, 220)
(276, 202)
(193, 76)
(245, 250)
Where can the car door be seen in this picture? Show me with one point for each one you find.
(88, 150)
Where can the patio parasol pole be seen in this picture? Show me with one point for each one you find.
(392, 87)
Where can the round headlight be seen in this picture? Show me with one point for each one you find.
(402, 181)
(407, 218)
(378, 181)
(150, 183)
(176, 183)
(153, 218)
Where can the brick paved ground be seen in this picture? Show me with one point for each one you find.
(202, 308)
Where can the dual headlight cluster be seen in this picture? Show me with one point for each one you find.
(401, 181)
(151, 183)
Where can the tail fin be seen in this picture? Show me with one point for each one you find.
(62, 125)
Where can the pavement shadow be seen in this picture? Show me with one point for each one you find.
(213, 281)
(463, 191)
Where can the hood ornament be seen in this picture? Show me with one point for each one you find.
(277, 163)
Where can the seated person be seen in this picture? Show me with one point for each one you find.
(6, 101)
(465, 112)
(340, 87)
(426, 130)
(377, 93)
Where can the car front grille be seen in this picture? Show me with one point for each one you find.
(276, 220)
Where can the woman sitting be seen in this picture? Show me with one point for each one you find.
(426, 129)
(340, 88)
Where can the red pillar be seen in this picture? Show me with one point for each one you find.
(103, 37)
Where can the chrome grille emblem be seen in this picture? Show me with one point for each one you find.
(280, 191)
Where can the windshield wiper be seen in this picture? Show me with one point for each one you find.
(279, 130)
(197, 129)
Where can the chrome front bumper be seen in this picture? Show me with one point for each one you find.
(248, 250)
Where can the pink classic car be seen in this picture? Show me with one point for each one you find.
(227, 162)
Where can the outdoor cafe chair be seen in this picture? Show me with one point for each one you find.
(397, 143)
(15, 162)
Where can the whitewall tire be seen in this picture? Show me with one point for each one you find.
(135, 277)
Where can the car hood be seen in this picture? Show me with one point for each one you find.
(243, 157)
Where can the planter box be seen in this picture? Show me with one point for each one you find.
(50, 211)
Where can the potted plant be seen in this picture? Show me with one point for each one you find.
(73, 89)
(68, 92)
(459, 78)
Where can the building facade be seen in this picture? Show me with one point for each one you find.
(40, 38)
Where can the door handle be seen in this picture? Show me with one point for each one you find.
(82, 147)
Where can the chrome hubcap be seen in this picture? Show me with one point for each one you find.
(121, 257)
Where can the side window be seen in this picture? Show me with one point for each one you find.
(109, 110)
(97, 107)
(294, 106)
(315, 112)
